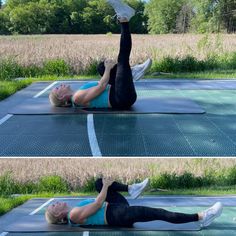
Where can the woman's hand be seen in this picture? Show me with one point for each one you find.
(109, 64)
(108, 181)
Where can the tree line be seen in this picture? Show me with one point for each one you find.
(97, 17)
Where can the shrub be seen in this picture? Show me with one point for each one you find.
(54, 184)
(231, 176)
(9, 69)
(91, 69)
(32, 71)
(56, 67)
(7, 185)
(89, 185)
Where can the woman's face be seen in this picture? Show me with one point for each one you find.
(62, 90)
(58, 208)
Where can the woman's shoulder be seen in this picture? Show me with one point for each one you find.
(88, 85)
(85, 202)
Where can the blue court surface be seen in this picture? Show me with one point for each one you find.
(211, 133)
(28, 219)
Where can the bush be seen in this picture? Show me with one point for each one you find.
(32, 71)
(89, 186)
(231, 176)
(56, 67)
(7, 185)
(54, 184)
(91, 69)
(9, 69)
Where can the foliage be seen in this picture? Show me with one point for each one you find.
(54, 184)
(56, 67)
(96, 16)
(162, 15)
(9, 69)
(67, 17)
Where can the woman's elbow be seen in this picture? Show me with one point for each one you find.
(99, 203)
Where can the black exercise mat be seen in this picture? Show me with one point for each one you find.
(171, 105)
(37, 223)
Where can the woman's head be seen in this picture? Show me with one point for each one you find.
(57, 213)
(61, 96)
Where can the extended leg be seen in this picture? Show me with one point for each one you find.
(123, 94)
(126, 216)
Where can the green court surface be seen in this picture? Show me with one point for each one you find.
(210, 134)
(14, 222)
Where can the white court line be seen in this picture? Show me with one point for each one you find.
(72, 198)
(86, 233)
(5, 118)
(92, 137)
(43, 91)
(39, 208)
(3, 233)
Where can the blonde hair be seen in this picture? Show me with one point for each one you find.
(52, 219)
(55, 100)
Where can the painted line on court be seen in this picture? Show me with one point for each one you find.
(86, 233)
(47, 88)
(3, 233)
(92, 137)
(5, 118)
(42, 206)
(72, 198)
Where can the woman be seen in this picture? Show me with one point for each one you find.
(111, 208)
(116, 88)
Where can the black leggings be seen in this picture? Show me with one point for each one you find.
(122, 91)
(119, 213)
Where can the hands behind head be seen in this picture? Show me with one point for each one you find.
(109, 63)
(107, 181)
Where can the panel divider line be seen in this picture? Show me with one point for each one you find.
(39, 208)
(3, 233)
(86, 233)
(92, 137)
(5, 118)
(44, 90)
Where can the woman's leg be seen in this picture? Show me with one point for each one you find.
(112, 194)
(123, 94)
(127, 215)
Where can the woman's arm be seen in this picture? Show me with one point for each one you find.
(85, 96)
(79, 214)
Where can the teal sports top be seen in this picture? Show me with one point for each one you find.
(96, 219)
(101, 101)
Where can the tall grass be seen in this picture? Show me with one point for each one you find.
(79, 54)
(35, 176)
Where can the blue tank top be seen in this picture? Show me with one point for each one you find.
(101, 101)
(96, 219)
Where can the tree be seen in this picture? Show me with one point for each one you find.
(138, 23)
(4, 22)
(206, 17)
(162, 15)
(228, 14)
(31, 18)
(184, 17)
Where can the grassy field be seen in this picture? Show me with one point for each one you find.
(77, 174)
(81, 50)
